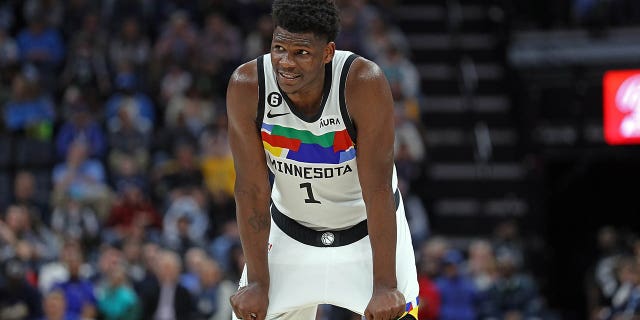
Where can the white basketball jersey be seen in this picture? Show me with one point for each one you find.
(313, 160)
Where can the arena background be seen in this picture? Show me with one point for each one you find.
(500, 141)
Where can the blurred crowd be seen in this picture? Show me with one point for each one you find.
(116, 179)
(613, 279)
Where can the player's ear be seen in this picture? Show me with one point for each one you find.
(329, 51)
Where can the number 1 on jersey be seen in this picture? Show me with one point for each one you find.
(310, 198)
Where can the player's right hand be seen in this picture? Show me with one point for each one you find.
(251, 302)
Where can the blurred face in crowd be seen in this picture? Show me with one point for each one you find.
(168, 267)
(25, 185)
(54, 305)
(17, 218)
(209, 273)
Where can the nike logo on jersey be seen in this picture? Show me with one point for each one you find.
(273, 115)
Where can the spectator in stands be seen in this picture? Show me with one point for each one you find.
(82, 178)
(81, 124)
(221, 42)
(215, 291)
(402, 74)
(117, 300)
(350, 36)
(18, 298)
(171, 300)
(78, 291)
(382, 35)
(185, 225)
(29, 112)
(8, 50)
(139, 105)
(514, 294)
(429, 261)
(50, 11)
(457, 291)
(128, 146)
(75, 220)
(219, 173)
(41, 44)
(17, 227)
(86, 64)
(132, 210)
(193, 258)
(258, 41)
(130, 47)
(25, 194)
(54, 306)
(626, 300)
(180, 176)
(177, 42)
(192, 108)
(56, 271)
(174, 82)
(221, 247)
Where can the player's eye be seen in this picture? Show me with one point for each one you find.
(303, 52)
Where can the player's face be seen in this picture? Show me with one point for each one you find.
(299, 59)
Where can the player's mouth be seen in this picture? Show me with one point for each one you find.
(288, 77)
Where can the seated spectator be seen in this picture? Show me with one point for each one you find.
(117, 300)
(180, 176)
(81, 125)
(194, 257)
(54, 306)
(192, 108)
(128, 140)
(75, 220)
(130, 95)
(18, 298)
(174, 82)
(218, 172)
(178, 41)
(8, 50)
(81, 178)
(514, 294)
(457, 292)
(56, 271)
(29, 112)
(41, 45)
(130, 47)
(185, 223)
(212, 301)
(78, 291)
(88, 45)
(17, 227)
(132, 209)
(170, 300)
(24, 194)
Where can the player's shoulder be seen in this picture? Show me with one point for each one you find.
(364, 70)
(245, 75)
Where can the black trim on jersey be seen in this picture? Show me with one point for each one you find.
(328, 76)
(261, 89)
(351, 128)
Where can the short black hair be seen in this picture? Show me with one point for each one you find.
(319, 17)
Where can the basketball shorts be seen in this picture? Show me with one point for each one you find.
(303, 276)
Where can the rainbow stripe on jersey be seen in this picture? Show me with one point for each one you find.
(301, 145)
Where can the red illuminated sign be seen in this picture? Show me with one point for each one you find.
(621, 107)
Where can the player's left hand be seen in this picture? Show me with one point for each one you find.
(385, 304)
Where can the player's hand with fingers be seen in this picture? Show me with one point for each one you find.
(251, 302)
(385, 304)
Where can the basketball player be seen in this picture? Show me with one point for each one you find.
(332, 229)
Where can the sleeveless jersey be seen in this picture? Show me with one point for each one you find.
(313, 161)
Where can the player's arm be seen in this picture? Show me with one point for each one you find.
(252, 188)
(370, 105)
